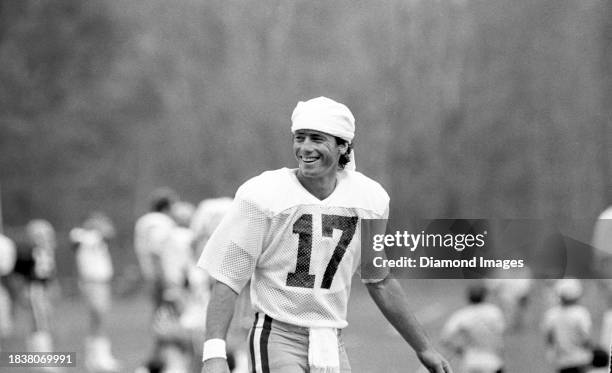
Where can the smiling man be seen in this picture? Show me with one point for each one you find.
(295, 233)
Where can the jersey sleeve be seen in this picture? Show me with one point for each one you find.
(231, 253)
(369, 272)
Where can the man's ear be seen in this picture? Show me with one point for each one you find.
(343, 148)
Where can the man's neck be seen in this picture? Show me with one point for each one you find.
(319, 187)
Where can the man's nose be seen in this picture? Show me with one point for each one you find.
(307, 144)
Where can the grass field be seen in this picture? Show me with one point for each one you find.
(373, 346)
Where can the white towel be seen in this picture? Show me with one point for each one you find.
(323, 356)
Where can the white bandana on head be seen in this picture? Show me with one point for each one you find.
(325, 115)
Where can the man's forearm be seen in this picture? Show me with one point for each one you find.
(391, 300)
(220, 311)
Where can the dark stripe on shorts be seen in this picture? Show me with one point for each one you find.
(263, 344)
(252, 345)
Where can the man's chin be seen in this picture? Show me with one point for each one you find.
(308, 172)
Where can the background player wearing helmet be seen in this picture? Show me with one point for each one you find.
(567, 329)
(271, 236)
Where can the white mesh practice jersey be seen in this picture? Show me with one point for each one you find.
(92, 256)
(299, 251)
(151, 234)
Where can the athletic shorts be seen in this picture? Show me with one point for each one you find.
(278, 347)
(96, 294)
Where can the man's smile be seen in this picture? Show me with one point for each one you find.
(309, 159)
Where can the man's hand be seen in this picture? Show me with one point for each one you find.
(215, 365)
(390, 298)
(434, 362)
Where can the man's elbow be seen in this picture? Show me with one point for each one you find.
(378, 286)
(219, 286)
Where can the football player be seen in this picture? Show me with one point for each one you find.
(173, 343)
(512, 295)
(95, 270)
(151, 234)
(475, 333)
(8, 256)
(36, 265)
(567, 329)
(295, 233)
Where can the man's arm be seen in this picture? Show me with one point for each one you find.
(218, 318)
(391, 300)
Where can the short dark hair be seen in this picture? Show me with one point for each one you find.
(346, 157)
(162, 199)
(477, 293)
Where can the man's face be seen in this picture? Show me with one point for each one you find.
(317, 153)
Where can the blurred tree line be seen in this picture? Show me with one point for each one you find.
(465, 108)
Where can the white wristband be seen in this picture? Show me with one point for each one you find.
(214, 348)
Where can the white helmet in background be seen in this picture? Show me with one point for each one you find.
(568, 289)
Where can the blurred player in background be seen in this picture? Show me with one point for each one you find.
(295, 233)
(476, 332)
(8, 257)
(173, 350)
(36, 265)
(95, 271)
(512, 295)
(207, 217)
(567, 329)
(176, 255)
(151, 233)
